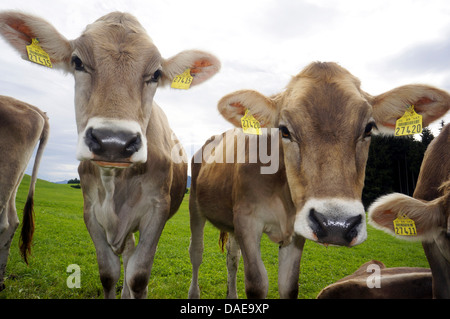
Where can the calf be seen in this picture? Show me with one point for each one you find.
(22, 126)
(319, 136)
(129, 178)
(429, 209)
(374, 281)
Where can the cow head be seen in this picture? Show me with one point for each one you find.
(326, 122)
(117, 69)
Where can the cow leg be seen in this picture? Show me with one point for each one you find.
(130, 246)
(139, 264)
(233, 256)
(289, 267)
(8, 225)
(248, 233)
(108, 261)
(197, 224)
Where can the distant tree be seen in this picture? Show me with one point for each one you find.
(378, 179)
(74, 181)
(427, 136)
(442, 125)
(393, 166)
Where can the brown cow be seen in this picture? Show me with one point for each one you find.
(129, 179)
(22, 126)
(374, 281)
(429, 209)
(312, 188)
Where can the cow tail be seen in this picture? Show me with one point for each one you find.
(223, 240)
(26, 234)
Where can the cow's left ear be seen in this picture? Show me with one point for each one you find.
(430, 102)
(234, 105)
(427, 216)
(202, 65)
(19, 29)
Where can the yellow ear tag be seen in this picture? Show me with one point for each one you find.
(410, 123)
(404, 226)
(183, 81)
(37, 55)
(250, 125)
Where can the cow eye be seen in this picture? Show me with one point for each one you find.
(79, 66)
(369, 128)
(155, 77)
(284, 132)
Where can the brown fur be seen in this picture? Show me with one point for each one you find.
(395, 283)
(23, 125)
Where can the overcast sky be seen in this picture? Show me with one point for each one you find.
(261, 44)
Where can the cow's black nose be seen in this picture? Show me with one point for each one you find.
(112, 145)
(334, 231)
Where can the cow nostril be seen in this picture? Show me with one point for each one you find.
(92, 141)
(133, 145)
(317, 223)
(353, 224)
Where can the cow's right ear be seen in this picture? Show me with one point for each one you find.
(430, 102)
(18, 29)
(233, 107)
(427, 216)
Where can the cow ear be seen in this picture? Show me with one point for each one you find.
(234, 105)
(430, 102)
(18, 29)
(203, 66)
(427, 216)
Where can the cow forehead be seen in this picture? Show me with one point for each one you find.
(117, 39)
(324, 107)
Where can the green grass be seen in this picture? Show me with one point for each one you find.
(61, 239)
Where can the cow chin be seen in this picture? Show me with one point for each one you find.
(332, 221)
(109, 163)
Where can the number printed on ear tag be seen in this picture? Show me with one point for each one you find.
(37, 55)
(182, 81)
(250, 125)
(404, 226)
(410, 123)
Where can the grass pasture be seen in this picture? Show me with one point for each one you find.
(61, 239)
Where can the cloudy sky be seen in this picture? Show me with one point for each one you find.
(261, 44)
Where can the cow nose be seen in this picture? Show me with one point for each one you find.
(111, 145)
(334, 231)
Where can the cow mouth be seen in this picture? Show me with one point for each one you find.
(108, 164)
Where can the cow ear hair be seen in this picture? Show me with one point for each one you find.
(234, 105)
(202, 65)
(430, 102)
(18, 29)
(427, 216)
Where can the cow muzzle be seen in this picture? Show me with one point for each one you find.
(332, 222)
(112, 143)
